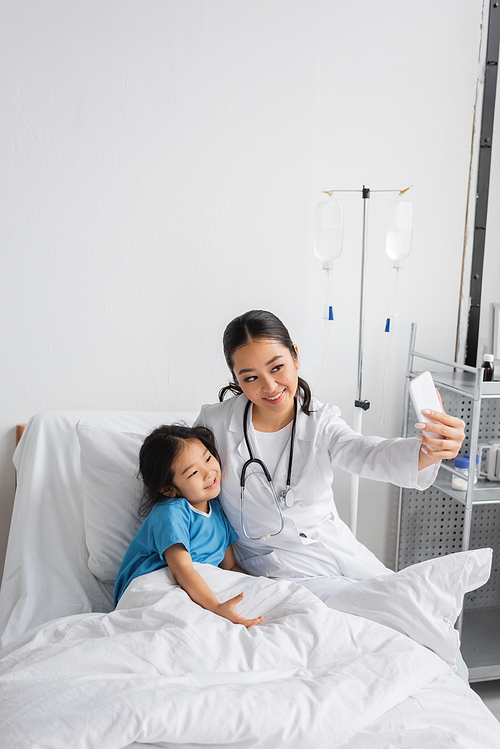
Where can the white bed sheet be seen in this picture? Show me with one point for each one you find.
(164, 672)
(445, 714)
(162, 669)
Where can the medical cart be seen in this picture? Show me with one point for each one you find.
(442, 520)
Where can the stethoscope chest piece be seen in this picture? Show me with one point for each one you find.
(287, 497)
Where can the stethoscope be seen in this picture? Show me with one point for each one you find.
(285, 496)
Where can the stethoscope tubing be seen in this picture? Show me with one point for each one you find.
(269, 480)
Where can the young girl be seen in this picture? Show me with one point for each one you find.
(184, 522)
(296, 533)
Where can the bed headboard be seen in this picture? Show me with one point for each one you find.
(19, 432)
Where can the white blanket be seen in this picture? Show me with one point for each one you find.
(162, 670)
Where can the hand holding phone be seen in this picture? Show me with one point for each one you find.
(424, 395)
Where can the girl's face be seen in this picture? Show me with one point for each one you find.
(197, 475)
(267, 373)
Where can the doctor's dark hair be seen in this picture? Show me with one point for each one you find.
(157, 457)
(258, 324)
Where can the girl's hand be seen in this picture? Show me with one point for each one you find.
(452, 431)
(228, 611)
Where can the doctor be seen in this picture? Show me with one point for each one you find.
(287, 521)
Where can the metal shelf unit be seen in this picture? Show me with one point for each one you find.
(442, 520)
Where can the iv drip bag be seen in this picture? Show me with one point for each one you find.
(328, 232)
(399, 231)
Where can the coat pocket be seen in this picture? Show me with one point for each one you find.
(263, 565)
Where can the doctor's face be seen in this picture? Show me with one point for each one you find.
(266, 371)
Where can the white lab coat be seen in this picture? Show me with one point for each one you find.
(314, 542)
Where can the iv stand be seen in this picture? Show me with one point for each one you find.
(359, 404)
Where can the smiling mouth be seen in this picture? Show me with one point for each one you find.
(276, 398)
(214, 483)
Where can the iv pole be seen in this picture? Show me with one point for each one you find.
(360, 405)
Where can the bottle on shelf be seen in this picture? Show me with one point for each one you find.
(487, 365)
(462, 467)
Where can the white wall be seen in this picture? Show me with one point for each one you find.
(161, 164)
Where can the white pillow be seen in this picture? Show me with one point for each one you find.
(111, 496)
(422, 601)
(112, 492)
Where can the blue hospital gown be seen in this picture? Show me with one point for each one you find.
(205, 535)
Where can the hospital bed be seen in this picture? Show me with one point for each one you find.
(374, 669)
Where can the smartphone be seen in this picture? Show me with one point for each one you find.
(423, 394)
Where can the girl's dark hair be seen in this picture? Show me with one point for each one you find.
(252, 326)
(158, 454)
